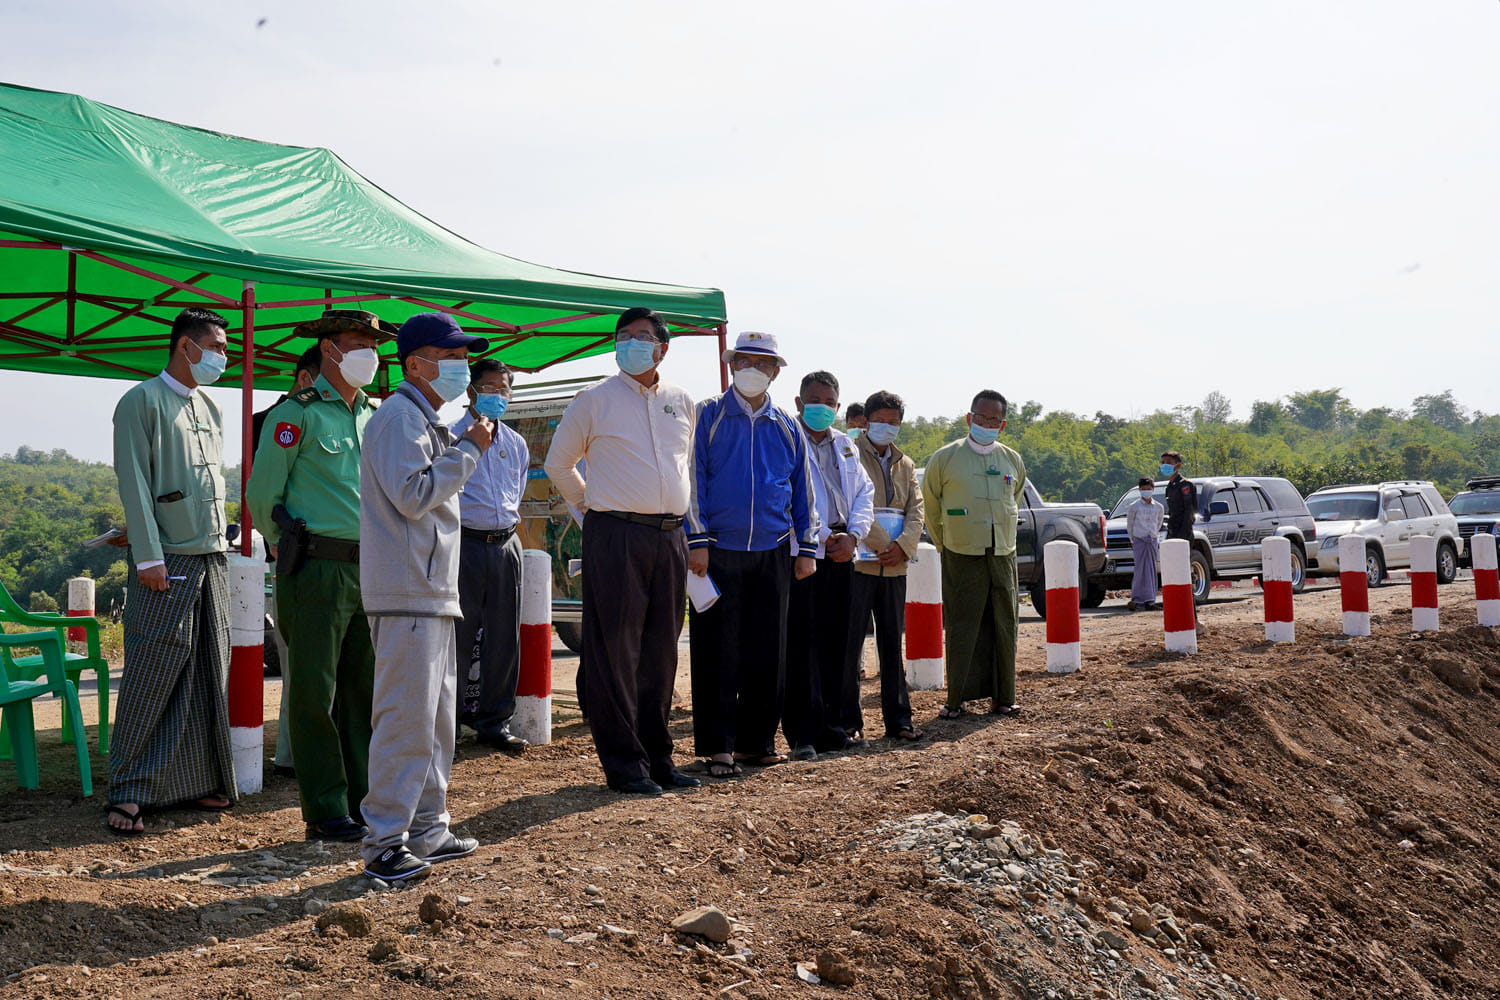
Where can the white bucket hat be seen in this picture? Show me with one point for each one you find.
(754, 343)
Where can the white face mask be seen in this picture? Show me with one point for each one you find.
(751, 382)
(359, 366)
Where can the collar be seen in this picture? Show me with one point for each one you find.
(176, 386)
(644, 390)
(744, 404)
(415, 395)
(329, 394)
(980, 449)
(864, 443)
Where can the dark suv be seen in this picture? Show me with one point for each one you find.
(1234, 514)
(1478, 511)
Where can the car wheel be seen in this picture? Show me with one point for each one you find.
(571, 634)
(1299, 569)
(270, 656)
(1374, 567)
(1447, 563)
(1039, 598)
(1093, 593)
(1201, 576)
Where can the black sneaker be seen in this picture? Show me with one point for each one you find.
(675, 779)
(343, 830)
(453, 847)
(397, 864)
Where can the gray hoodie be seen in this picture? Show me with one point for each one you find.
(410, 472)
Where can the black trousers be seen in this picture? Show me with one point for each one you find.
(817, 681)
(634, 592)
(489, 594)
(885, 596)
(739, 653)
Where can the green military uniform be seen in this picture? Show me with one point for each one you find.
(972, 501)
(308, 461)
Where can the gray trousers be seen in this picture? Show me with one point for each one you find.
(411, 749)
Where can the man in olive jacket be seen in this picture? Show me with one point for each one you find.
(973, 489)
(879, 582)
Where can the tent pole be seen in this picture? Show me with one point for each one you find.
(247, 409)
(723, 329)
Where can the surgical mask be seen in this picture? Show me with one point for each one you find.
(209, 366)
(359, 366)
(817, 416)
(855, 432)
(1146, 495)
(751, 382)
(882, 434)
(1166, 469)
(491, 405)
(635, 357)
(983, 435)
(452, 378)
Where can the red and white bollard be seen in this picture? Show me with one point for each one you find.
(1178, 619)
(1060, 564)
(1354, 585)
(1486, 579)
(1276, 588)
(1424, 602)
(533, 719)
(247, 631)
(80, 605)
(924, 620)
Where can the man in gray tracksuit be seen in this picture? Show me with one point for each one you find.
(411, 470)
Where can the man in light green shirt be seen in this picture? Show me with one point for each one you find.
(308, 463)
(171, 740)
(972, 491)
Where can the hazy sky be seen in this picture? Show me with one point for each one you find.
(1097, 205)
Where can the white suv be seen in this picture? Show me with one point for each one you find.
(1387, 515)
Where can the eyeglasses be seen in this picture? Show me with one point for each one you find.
(643, 337)
(759, 363)
(990, 422)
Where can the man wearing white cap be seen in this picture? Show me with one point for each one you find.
(752, 495)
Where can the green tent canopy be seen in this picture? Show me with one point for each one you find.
(112, 222)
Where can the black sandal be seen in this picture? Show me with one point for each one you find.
(134, 817)
(1005, 711)
(203, 806)
(762, 760)
(949, 712)
(911, 734)
(724, 769)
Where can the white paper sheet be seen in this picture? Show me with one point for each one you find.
(702, 591)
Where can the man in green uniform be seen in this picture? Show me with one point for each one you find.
(308, 463)
(973, 490)
(171, 736)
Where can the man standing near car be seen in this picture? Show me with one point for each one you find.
(1143, 526)
(308, 469)
(489, 561)
(1182, 507)
(973, 491)
(635, 430)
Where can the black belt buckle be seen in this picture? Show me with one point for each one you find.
(670, 523)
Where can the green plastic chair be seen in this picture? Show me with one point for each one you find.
(15, 705)
(75, 665)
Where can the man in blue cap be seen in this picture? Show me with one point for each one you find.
(411, 470)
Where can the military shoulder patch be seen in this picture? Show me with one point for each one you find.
(287, 434)
(305, 396)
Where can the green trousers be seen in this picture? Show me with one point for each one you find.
(332, 683)
(980, 622)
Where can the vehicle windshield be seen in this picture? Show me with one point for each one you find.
(1344, 507)
(1132, 496)
(1482, 502)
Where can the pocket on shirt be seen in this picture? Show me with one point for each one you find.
(334, 445)
(175, 522)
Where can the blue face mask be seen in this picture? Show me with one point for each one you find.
(491, 405)
(1167, 470)
(818, 417)
(635, 357)
(984, 435)
(882, 435)
(855, 432)
(209, 366)
(452, 378)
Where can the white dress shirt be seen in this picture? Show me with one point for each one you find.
(491, 498)
(1143, 520)
(638, 441)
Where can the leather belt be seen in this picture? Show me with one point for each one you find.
(323, 547)
(490, 537)
(661, 522)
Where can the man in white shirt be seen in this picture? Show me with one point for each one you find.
(636, 432)
(489, 565)
(1143, 525)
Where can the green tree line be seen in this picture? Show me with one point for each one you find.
(50, 502)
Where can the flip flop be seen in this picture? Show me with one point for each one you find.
(911, 735)
(134, 817)
(948, 712)
(763, 760)
(202, 806)
(724, 769)
(1005, 710)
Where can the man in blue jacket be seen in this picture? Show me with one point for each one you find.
(752, 496)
